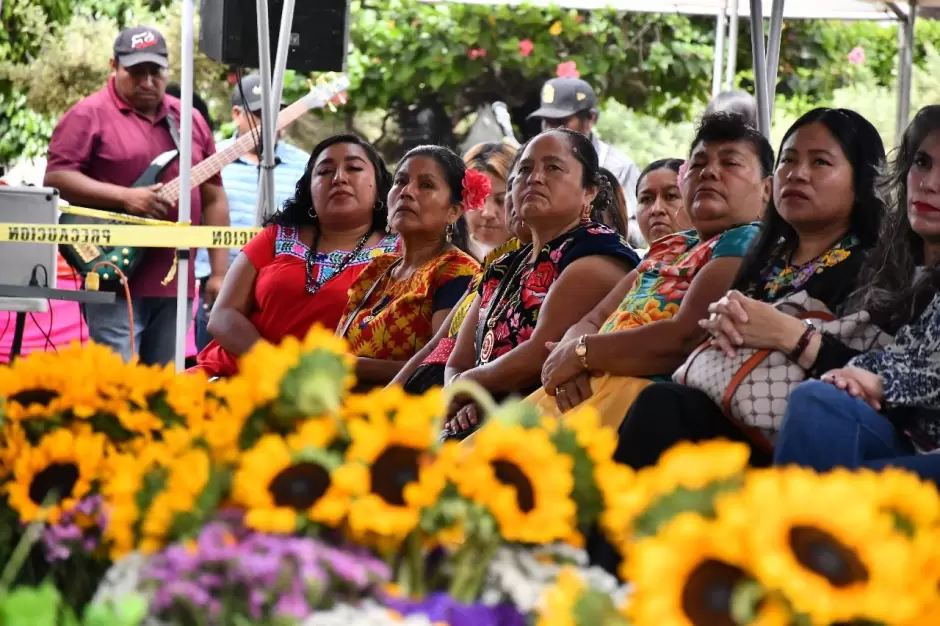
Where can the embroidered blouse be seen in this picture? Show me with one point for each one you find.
(394, 321)
(670, 266)
(511, 309)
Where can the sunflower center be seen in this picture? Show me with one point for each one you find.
(510, 474)
(820, 552)
(708, 591)
(396, 468)
(57, 480)
(299, 486)
(34, 396)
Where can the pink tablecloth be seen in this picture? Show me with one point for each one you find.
(63, 323)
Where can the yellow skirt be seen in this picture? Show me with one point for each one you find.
(613, 396)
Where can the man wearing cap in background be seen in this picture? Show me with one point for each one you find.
(572, 103)
(241, 180)
(98, 149)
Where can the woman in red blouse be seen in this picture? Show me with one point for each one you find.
(296, 272)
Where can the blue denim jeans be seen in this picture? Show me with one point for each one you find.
(154, 327)
(825, 427)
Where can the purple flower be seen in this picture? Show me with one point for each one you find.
(440, 607)
(77, 530)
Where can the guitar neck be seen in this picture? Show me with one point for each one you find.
(205, 170)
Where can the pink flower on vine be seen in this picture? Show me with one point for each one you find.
(525, 47)
(568, 69)
(475, 53)
(857, 56)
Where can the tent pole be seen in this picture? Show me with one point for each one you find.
(184, 311)
(905, 71)
(732, 67)
(773, 52)
(760, 66)
(719, 64)
(266, 186)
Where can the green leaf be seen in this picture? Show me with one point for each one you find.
(31, 606)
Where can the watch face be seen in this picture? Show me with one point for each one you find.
(580, 349)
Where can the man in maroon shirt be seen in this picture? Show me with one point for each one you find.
(98, 149)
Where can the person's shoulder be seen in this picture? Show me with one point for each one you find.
(459, 258)
(292, 154)
(743, 232)
(92, 104)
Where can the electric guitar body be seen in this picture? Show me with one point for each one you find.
(83, 257)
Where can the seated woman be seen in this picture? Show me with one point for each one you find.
(489, 227)
(648, 325)
(816, 233)
(425, 370)
(531, 296)
(883, 409)
(296, 272)
(660, 211)
(401, 300)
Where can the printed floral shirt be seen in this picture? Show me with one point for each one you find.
(909, 368)
(514, 314)
(670, 266)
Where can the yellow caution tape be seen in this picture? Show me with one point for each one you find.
(164, 236)
(117, 217)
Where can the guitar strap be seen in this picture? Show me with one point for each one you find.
(171, 124)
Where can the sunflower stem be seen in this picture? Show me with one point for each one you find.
(20, 553)
(475, 391)
(464, 566)
(414, 583)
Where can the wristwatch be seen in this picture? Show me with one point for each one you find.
(580, 349)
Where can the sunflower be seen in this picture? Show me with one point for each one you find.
(12, 442)
(228, 406)
(57, 472)
(827, 547)
(279, 482)
(394, 440)
(688, 574)
(305, 378)
(522, 479)
(187, 477)
(913, 503)
(687, 477)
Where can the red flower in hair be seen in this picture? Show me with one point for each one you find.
(476, 188)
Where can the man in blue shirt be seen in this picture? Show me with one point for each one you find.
(241, 180)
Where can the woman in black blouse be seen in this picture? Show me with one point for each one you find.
(823, 218)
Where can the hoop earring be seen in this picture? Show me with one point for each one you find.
(379, 205)
(449, 233)
(313, 214)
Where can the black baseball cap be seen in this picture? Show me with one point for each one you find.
(564, 97)
(140, 44)
(251, 87)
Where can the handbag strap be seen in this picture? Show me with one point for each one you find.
(503, 287)
(352, 316)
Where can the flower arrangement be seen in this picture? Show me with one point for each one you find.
(280, 496)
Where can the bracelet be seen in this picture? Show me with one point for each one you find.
(802, 344)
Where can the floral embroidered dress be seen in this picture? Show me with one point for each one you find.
(431, 371)
(513, 288)
(670, 266)
(391, 319)
(283, 305)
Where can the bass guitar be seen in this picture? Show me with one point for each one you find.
(83, 257)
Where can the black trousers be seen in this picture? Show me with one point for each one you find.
(663, 415)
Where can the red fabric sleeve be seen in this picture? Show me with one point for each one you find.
(260, 250)
(73, 141)
(206, 142)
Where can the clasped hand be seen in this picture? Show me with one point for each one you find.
(737, 321)
(859, 383)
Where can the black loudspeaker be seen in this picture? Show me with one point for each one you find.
(319, 37)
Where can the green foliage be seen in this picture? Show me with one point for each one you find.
(44, 606)
(465, 55)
